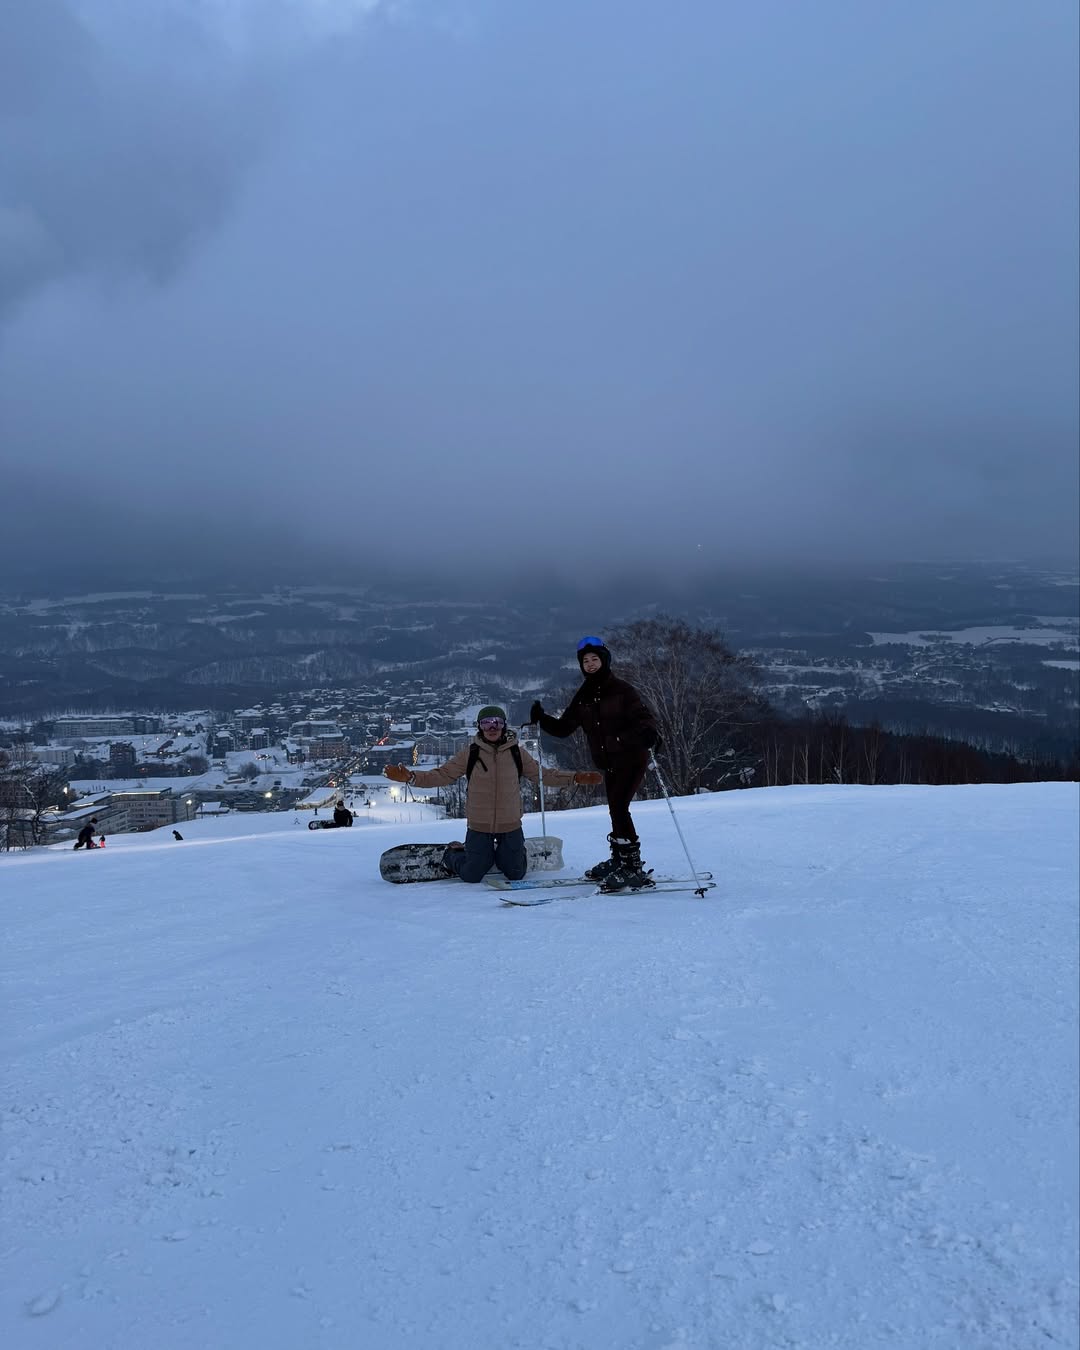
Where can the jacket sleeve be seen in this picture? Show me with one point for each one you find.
(446, 773)
(553, 777)
(565, 725)
(640, 721)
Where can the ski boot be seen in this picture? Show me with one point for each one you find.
(602, 870)
(629, 875)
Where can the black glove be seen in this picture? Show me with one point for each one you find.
(536, 711)
(658, 747)
(649, 738)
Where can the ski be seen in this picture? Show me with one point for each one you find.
(529, 892)
(500, 883)
(665, 886)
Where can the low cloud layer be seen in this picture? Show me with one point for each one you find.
(126, 134)
(551, 287)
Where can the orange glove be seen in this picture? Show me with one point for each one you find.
(398, 772)
(588, 778)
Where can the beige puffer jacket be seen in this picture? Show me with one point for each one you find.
(493, 804)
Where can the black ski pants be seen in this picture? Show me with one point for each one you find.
(621, 781)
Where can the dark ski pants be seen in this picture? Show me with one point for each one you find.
(482, 851)
(620, 783)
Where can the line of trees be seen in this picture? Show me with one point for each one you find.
(826, 749)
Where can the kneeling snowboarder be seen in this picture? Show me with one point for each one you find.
(86, 834)
(493, 764)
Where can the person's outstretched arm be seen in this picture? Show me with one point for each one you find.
(556, 778)
(562, 726)
(442, 776)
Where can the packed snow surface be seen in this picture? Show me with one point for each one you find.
(258, 1099)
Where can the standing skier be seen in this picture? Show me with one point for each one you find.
(621, 731)
(493, 764)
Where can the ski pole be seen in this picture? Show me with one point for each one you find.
(699, 888)
(540, 766)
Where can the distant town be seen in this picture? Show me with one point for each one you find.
(141, 771)
(143, 709)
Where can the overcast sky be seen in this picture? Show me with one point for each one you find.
(579, 281)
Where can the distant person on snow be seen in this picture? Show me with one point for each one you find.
(493, 764)
(621, 732)
(342, 815)
(177, 835)
(86, 834)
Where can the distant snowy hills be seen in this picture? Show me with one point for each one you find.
(986, 652)
(257, 1098)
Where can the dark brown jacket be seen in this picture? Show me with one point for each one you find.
(617, 722)
(493, 801)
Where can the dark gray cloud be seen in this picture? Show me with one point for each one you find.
(762, 281)
(123, 141)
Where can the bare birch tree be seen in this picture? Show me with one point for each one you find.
(704, 695)
(28, 790)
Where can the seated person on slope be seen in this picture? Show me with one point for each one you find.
(494, 764)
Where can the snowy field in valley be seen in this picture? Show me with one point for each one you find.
(258, 1099)
(1057, 631)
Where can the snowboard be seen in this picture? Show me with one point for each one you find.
(423, 862)
(325, 825)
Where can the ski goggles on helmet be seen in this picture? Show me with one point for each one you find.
(491, 723)
(590, 642)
